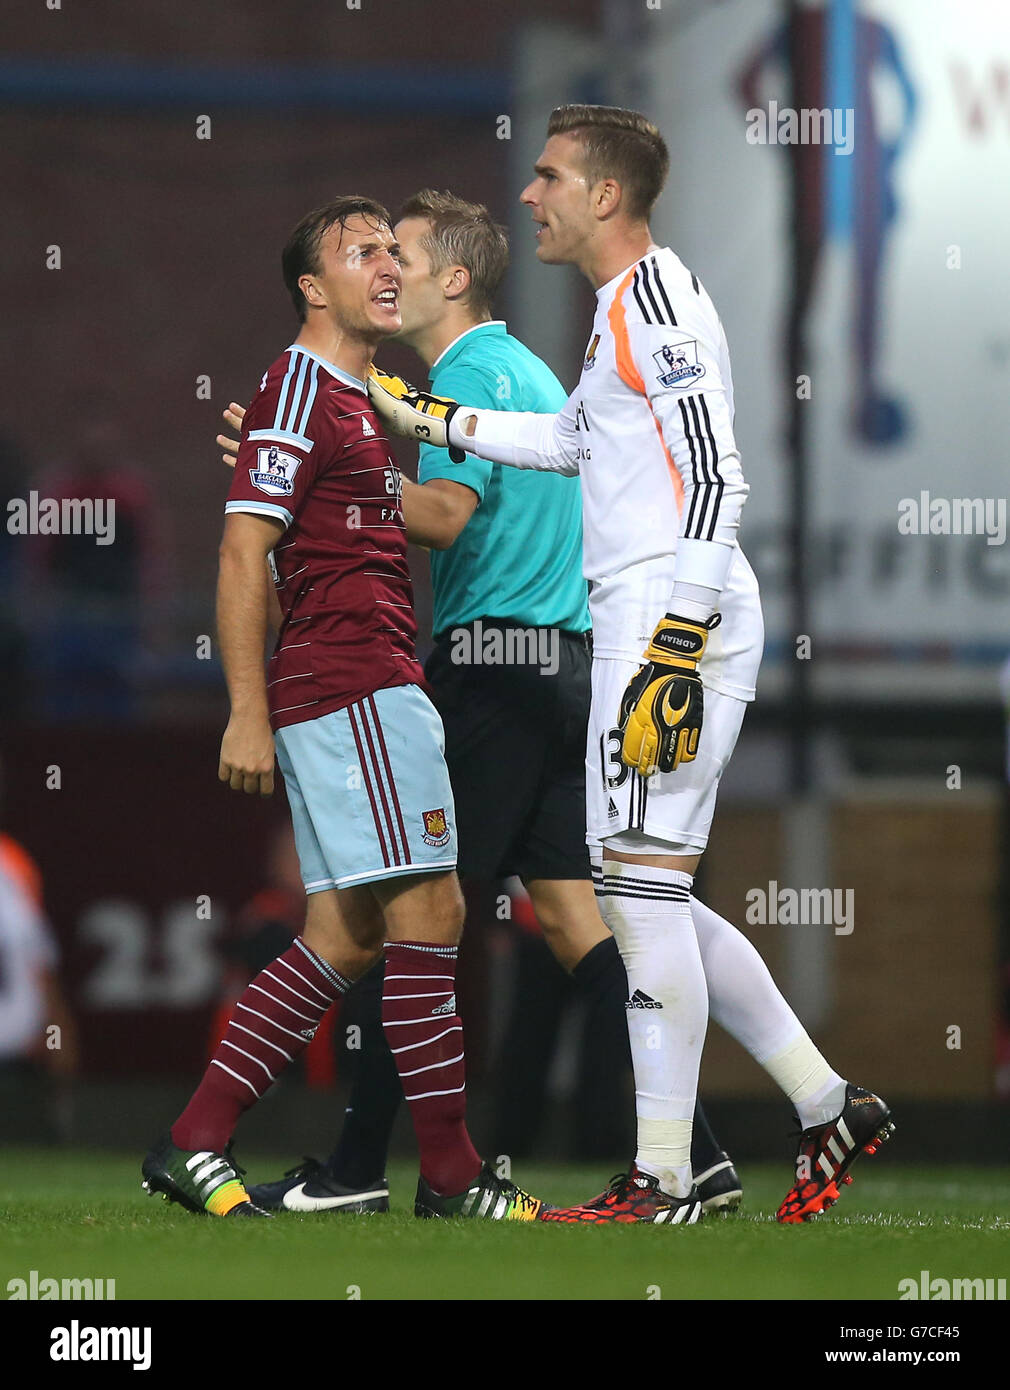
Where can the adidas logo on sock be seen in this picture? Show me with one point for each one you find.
(640, 1000)
(612, 811)
(449, 1007)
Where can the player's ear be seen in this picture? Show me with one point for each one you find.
(312, 292)
(606, 198)
(455, 282)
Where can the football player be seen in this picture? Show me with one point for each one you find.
(316, 490)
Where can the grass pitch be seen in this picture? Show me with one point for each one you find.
(76, 1214)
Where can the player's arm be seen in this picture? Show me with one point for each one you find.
(247, 749)
(678, 371)
(233, 418)
(698, 436)
(522, 439)
(275, 468)
(436, 511)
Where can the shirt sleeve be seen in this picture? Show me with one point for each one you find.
(523, 438)
(680, 375)
(284, 445)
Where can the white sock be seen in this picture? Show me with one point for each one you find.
(649, 912)
(744, 999)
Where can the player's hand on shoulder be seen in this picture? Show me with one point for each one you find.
(233, 418)
(247, 756)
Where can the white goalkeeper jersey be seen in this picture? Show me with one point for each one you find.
(649, 429)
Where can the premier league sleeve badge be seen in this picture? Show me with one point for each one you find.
(678, 365)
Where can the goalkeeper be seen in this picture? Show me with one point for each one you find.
(677, 638)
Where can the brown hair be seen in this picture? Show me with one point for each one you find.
(618, 144)
(301, 253)
(463, 234)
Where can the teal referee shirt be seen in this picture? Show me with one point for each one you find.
(520, 554)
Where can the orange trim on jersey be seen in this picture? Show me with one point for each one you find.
(631, 376)
(618, 320)
(671, 467)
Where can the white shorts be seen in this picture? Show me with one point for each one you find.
(673, 807)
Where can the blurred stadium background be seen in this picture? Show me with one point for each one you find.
(874, 762)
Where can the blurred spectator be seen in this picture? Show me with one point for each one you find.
(38, 1039)
(91, 601)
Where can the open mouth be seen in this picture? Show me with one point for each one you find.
(387, 299)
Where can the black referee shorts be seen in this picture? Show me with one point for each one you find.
(515, 744)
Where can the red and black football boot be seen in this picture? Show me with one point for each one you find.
(633, 1196)
(827, 1152)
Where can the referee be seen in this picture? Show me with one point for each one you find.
(509, 674)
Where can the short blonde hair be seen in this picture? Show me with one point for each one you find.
(618, 144)
(462, 233)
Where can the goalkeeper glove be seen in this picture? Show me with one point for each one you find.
(415, 414)
(662, 708)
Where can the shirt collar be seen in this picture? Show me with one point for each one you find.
(650, 250)
(330, 367)
(449, 354)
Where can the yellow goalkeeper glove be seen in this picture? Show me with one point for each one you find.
(415, 414)
(663, 705)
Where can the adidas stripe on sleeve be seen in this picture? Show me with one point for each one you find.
(679, 350)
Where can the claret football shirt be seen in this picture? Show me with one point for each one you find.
(314, 457)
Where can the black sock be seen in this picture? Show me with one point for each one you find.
(601, 976)
(704, 1147)
(361, 1152)
(540, 995)
(605, 1099)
